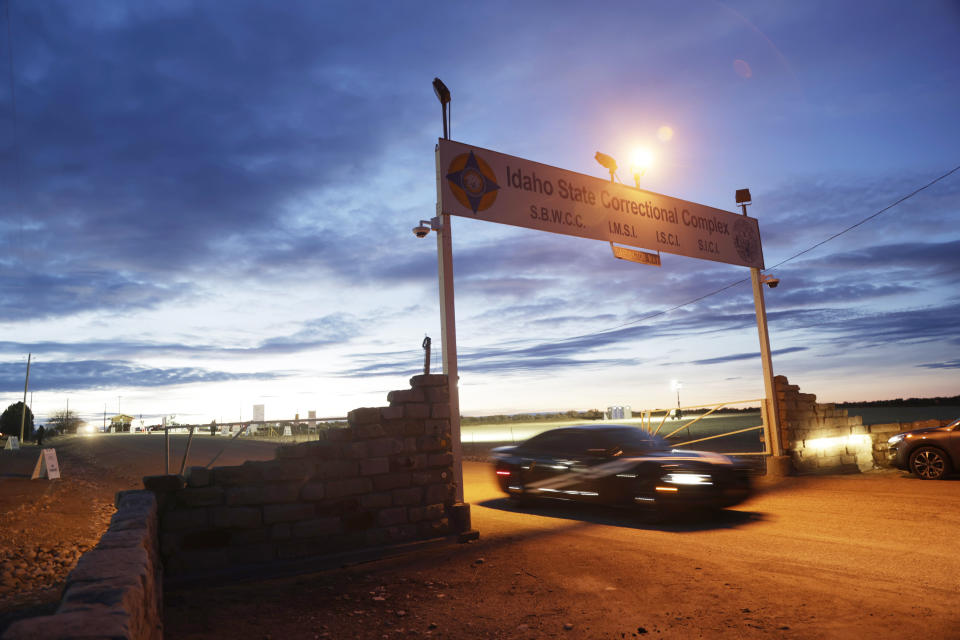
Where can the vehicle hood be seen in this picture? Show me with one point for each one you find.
(917, 432)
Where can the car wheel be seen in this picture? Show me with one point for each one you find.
(929, 463)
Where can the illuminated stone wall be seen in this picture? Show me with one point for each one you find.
(822, 438)
(385, 479)
(819, 437)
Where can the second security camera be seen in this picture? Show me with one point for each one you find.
(421, 231)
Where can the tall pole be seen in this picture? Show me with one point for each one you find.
(773, 416)
(448, 327)
(26, 383)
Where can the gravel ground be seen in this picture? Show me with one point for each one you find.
(49, 524)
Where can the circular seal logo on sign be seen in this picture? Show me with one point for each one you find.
(746, 240)
(472, 182)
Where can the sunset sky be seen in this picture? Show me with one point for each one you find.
(208, 205)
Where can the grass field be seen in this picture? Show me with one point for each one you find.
(750, 441)
(686, 429)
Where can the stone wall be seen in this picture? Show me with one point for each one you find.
(116, 589)
(387, 478)
(821, 438)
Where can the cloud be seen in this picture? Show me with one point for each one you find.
(106, 374)
(333, 329)
(949, 364)
(746, 356)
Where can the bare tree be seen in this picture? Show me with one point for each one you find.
(65, 421)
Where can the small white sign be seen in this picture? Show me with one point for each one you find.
(47, 465)
(287, 431)
(13, 444)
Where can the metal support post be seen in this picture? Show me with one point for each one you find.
(166, 450)
(186, 453)
(23, 413)
(449, 345)
(773, 416)
(460, 511)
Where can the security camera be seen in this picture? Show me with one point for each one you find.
(772, 282)
(421, 231)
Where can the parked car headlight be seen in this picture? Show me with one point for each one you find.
(894, 439)
(687, 478)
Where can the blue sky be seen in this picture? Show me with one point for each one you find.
(207, 205)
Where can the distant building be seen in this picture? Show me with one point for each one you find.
(121, 422)
(619, 412)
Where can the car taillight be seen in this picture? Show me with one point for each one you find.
(502, 472)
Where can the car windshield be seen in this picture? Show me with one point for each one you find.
(633, 441)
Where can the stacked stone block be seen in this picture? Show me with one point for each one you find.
(387, 478)
(116, 589)
(820, 437)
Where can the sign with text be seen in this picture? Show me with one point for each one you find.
(47, 465)
(635, 256)
(486, 185)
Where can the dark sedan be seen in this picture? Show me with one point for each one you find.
(621, 466)
(929, 453)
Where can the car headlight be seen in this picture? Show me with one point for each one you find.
(687, 478)
(894, 439)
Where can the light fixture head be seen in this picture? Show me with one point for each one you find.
(606, 161)
(443, 94)
(743, 196)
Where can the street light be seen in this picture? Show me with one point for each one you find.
(460, 510)
(675, 385)
(443, 95)
(640, 161)
(607, 162)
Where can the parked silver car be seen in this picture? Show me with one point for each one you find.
(930, 453)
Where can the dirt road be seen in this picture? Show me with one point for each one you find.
(861, 556)
(868, 555)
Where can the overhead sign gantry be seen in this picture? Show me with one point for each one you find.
(486, 185)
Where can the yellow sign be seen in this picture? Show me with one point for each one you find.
(635, 256)
(486, 185)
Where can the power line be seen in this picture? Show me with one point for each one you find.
(782, 262)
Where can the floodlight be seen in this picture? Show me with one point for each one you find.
(743, 196)
(606, 161)
(443, 94)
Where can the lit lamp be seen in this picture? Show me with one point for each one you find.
(675, 385)
(640, 161)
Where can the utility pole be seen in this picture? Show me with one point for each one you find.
(26, 383)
